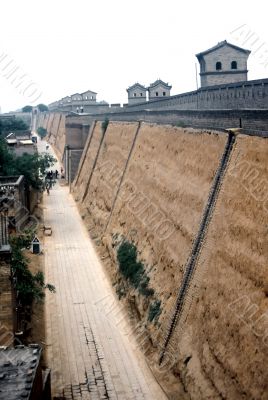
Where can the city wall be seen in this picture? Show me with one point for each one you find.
(151, 184)
(233, 96)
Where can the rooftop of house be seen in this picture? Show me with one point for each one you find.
(219, 45)
(18, 368)
(20, 135)
(12, 180)
(88, 91)
(159, 82)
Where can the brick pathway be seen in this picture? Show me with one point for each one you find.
(88, 349)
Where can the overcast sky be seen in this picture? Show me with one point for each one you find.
(64, 47)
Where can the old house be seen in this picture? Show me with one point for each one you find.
(21, 142)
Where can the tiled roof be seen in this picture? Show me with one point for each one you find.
(18, 368)
(159, 82)
(136, 85)
(89, 91)
(219, 45)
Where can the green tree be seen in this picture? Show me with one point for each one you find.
(32, 166)
(27, 109)
(42, 107)
(41, 132)
(12, 125)
(7, 159)
(30, 287)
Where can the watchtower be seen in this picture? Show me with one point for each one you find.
(223, 63)
(136, 93)
(159, 89)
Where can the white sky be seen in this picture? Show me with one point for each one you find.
(71, 46)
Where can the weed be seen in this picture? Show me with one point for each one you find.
(104, 125)
(154, 311)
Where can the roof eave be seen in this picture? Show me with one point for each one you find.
(221, 44)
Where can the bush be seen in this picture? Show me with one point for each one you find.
(120, 291)
(143, 288)
(128, 265)
(181, 124)
(27, 109)
(154, 310)
(133, 270)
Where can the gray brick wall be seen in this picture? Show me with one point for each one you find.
(225, 55)
(252, 120)
(241, 95)
(136, 95)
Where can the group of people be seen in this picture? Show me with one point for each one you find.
(51, 177)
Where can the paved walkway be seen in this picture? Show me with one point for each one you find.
(88, 350)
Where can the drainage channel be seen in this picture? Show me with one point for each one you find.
(191, 263)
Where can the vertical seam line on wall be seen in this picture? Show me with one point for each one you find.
(47, 126)
(198, 242)
(57, 135)
(91, 132)
(51, 125)
(123, 175)
(93, 167)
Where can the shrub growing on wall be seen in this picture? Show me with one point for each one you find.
(154, 310)
(131, 269)
(104, 125)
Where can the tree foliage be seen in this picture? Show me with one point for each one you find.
(32, 166)
(6, 159)
(27, 109)
(8, 125)
(29, 286)
(42, 107)
(41, 132)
